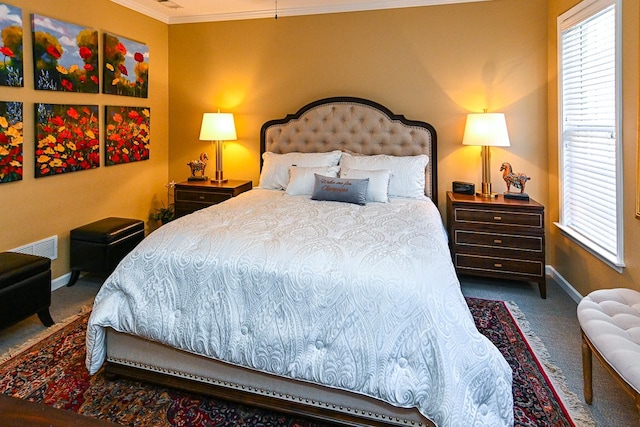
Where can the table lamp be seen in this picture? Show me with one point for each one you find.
(487, 130)
(218, 127)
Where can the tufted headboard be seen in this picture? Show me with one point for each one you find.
(353, 125)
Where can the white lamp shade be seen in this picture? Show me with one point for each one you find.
(218, 127)
(488, 129)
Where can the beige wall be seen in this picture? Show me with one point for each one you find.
(432, 63)
(577, 266)
(33, 209)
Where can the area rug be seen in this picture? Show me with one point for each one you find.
(52, 372)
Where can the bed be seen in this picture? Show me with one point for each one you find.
(327, 291)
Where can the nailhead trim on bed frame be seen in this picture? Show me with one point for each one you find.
(288, 397)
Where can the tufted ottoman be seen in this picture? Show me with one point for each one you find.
(610, 324)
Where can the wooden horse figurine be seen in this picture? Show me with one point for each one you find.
(198, 166)
(518, 180)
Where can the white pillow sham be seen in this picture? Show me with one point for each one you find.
(275, 167)
(407, 172)
(302, 179)
(378, 189)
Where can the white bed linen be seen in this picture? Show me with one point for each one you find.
(362, 298)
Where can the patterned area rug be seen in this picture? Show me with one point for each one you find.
(52, 372)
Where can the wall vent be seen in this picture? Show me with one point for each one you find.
(46, 247)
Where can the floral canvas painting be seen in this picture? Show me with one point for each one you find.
(127, 134)
(11, 71)
(67, 138)
(10, 141)
(65, 56)
(126, 67)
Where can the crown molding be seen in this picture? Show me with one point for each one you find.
(282, 12)
(136, 6)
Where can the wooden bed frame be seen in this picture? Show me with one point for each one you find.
(350, 124)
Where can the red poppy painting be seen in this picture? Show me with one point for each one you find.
(127, 134)
(11, 69)
(67, 138)
(10, 141)
(126, 67)
(65, 56)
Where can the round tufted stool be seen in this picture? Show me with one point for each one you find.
(610, 324)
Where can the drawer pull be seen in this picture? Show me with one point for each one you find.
(497, 241)
(497, 265)
(497, 218)
(201, 197)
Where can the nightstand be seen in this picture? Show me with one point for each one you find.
(189, 196)
(497, 237)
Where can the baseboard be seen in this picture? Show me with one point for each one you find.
(59, 282)
(564, 284)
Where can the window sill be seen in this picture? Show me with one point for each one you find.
(604, 256)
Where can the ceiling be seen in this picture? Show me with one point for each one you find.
(189, 11)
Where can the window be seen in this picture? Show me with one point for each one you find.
(590, 155)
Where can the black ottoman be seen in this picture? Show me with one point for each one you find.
(98, 247)
(25, 288)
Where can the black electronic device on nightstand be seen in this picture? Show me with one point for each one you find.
(463, 187)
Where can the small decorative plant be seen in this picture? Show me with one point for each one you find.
(165, 213)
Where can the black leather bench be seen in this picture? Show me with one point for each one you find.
(25, 288)
(98, 247)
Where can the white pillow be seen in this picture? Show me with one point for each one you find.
(378, 189)
(407, 172)
(303, 179)
(275, 167)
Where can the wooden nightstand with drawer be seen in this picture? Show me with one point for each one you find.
(190, 196)
(497, 237)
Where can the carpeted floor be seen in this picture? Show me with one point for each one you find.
(65, 302)
(52, 372)
(553, 320)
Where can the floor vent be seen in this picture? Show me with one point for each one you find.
(46, 247)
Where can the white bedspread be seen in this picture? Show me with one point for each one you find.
(363, 298)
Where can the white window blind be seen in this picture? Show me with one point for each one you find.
(590, 161)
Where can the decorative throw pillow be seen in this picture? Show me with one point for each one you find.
(302, 179)
(407, 172)
(378, 189)
(275, 167)
(347, 190)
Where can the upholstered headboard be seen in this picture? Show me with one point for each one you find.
(353, 125)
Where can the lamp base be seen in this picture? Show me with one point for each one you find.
(486, 195)
(486, 191)
(219, 178)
